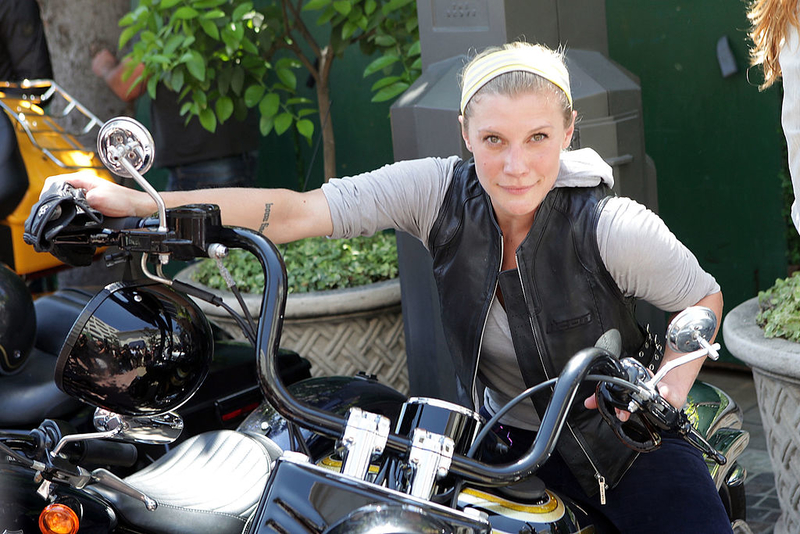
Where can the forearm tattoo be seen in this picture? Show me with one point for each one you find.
(265, 221)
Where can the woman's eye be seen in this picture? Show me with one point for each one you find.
(539, 137)
(492, 139)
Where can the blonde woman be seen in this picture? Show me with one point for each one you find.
(776, 48)
(534, 259)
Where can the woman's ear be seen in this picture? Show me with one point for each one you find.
(464, 135)
(568, 133)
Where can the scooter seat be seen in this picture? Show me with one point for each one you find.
(211, 482)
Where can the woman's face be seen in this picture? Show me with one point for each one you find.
(516, 143)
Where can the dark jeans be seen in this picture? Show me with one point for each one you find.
(666, 491)
(234, 171)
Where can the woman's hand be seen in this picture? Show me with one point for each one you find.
(109, 198)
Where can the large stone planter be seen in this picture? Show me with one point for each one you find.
(341, 332)
(776, 374)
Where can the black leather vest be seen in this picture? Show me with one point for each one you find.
(560, 300)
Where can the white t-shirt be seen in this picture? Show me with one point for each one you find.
(644, 258)
(789, 60)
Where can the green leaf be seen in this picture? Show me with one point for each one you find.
(282, 122)
(172, 44)
(348, 30)
(127, 20)
(242, 10)
(224, 108)
(265, 125)
(210, 28)
(166, 4)
(369, 6)
(385, 40)
(287, 77)
(196, 65)
(237, 80)
(269, 105)
(208, 120)
(389, 92)
(213, 14)
(177, 80)
(316, 4)
(186, 13)
(299, 100)
(152, 83)
(128, 33)
(306, 112)
(394, 5)
(326, 16)
(342, 6)
(383, 82)
(253, 94)
(306, 128)
(380, 64)
(415, 49)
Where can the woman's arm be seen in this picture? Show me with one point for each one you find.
(280, 214)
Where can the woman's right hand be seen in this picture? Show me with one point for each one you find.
(109, 198)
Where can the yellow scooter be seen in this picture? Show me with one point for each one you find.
(38, 139)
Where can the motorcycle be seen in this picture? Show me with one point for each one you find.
(324, 455)
(42, 132)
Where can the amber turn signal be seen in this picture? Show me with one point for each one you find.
(58, 519)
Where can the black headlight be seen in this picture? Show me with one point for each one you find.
(136, 349)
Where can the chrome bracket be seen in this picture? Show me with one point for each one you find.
(429, 460)
(364, 437)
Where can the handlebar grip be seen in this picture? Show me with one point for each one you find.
(105, 452)
(123, 223)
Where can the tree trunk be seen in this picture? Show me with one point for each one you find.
(75, 31)
(325, 115)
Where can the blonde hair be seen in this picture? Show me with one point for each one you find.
(770, 20)
(541, 70)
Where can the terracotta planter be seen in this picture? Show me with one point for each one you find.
(341, 332)
(776, 374)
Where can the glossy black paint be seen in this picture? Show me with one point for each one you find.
(336, 394)
(303, 498)
(136, 349)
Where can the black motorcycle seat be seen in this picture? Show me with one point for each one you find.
(211, 482)
(31, 395)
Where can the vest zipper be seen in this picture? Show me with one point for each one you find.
(474, 388)
(601, 480)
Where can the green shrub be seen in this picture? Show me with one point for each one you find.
(779, 309)
(314, 264)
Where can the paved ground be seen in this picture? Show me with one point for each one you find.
(762, 499)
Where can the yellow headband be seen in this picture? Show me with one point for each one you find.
(534, 59)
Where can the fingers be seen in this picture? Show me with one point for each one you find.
(590, 403)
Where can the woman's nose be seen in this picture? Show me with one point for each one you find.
(515, 162)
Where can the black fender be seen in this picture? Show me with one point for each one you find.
(335, 394)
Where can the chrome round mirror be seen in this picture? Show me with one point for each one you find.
(689, 326)
(126, 138)
(155, 430)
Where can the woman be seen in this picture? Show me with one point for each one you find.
(777, 49)
(534, 259)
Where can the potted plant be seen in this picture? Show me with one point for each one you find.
(224, 56)
(764, 332)
(343, 310)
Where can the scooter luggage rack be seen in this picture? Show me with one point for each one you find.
(41, 125)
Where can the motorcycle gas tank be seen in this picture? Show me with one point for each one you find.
(335, 394)
(20, 505)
